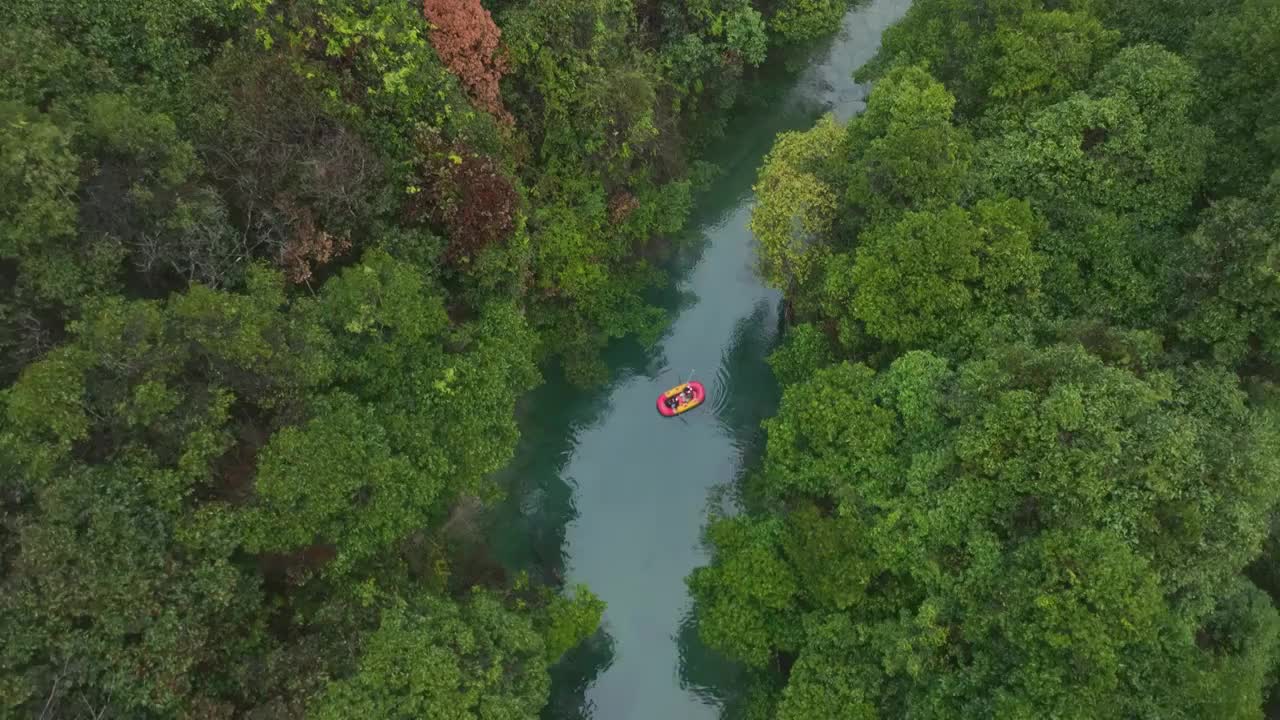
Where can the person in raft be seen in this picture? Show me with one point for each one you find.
(684, 396)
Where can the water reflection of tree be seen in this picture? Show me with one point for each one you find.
(749, 392)
(740, 692)
(527, 527)
(712, 677)
(748, 395)
(574, 675)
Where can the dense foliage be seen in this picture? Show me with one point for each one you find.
(273, 274)
(1027, 459)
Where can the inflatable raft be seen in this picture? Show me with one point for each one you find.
(676, 400)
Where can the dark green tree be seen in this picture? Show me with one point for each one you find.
(998, 56)
(1229, 272)
(1237, 53)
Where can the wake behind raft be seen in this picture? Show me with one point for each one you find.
(681, 398)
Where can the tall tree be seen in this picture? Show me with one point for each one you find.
(937, 277)
(1229, 271)
(1237, 51)
(904, 152)
(795, 217)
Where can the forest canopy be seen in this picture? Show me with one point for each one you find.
(273, 275)
(1027, 458)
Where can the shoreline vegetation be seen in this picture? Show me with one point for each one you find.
(1027, 458)
(273, 277)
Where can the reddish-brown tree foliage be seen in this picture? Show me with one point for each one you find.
(621, 205)
(467, 196)
(307, 246)
(466, 38)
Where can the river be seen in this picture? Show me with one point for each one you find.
(604, 491)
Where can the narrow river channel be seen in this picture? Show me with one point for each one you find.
(604, 491)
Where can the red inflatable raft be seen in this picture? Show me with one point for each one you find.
(676, 400)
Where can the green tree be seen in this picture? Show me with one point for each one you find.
(568, 621)
(818, 549)
(1067, 600)
(122, 603)
(998, 56)
(1237, 53)
(1036, 513)
(1128, 147)
(1241, 635)
(338, 480)
(1229, 271)
(384, 462)
(1115, 173)
(43, 67)
(158, 40)
(1105, 264)
(837, 674)
(904, 151)
(38, 208)
(444, 660)
(604, 185)
(806, 349)
(707, 50)
(810, 453)
(1045, 57)
(122, 586)
(797, 204)
(798, 21)
(745, 594)
(215, 421)
(936, 275)
(1170, 23)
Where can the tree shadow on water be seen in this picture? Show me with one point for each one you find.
(574, 675)
(713, 678)
(747, 392)
(526, 529)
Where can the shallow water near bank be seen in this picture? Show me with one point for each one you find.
(605, 491)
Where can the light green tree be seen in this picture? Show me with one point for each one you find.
(797, 204)
(936, 275)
